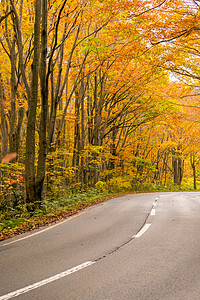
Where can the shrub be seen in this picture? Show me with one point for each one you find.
(119, 184)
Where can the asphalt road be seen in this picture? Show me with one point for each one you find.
(141, 246)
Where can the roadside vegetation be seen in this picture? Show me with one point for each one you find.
(16, 219)
(97, 99)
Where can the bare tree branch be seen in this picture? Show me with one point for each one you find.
(148, 10)
(6, 15)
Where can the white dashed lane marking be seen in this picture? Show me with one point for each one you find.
(69, 271)
(142, 231)
(153, 212)
(146, 226)
(46, 281)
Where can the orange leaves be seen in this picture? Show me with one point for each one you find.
(121, 82)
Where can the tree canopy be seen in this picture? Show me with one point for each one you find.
(97, 92)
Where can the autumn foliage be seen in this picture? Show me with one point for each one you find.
(97, 94)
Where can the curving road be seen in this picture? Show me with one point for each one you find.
(140, 246)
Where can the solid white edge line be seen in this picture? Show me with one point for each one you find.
(51, 227)
(142, 231)
(46, 281)
(19, 239)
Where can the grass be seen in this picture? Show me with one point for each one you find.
(16, 220)
(51, 211)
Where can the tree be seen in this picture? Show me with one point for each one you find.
(89, 84)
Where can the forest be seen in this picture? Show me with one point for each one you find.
(96, 98)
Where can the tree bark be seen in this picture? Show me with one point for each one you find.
(44, 109)
(177, 166)
(30, 135)
(193, 165)
(77, 145)
(4, 124)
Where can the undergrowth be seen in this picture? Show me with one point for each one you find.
(15, 218)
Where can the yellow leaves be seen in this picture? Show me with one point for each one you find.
(101, 186)
(168, 145)
(133, 91)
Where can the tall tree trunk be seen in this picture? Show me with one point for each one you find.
(84, 173)
(193, 165)
(4, 124)
(113, 148)
(77, 145)
(157, 171)
(180, 170)
(12, 112)
(32, 105)
(44, 108)
(177, 166)
(82, 137)
(96, 134)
